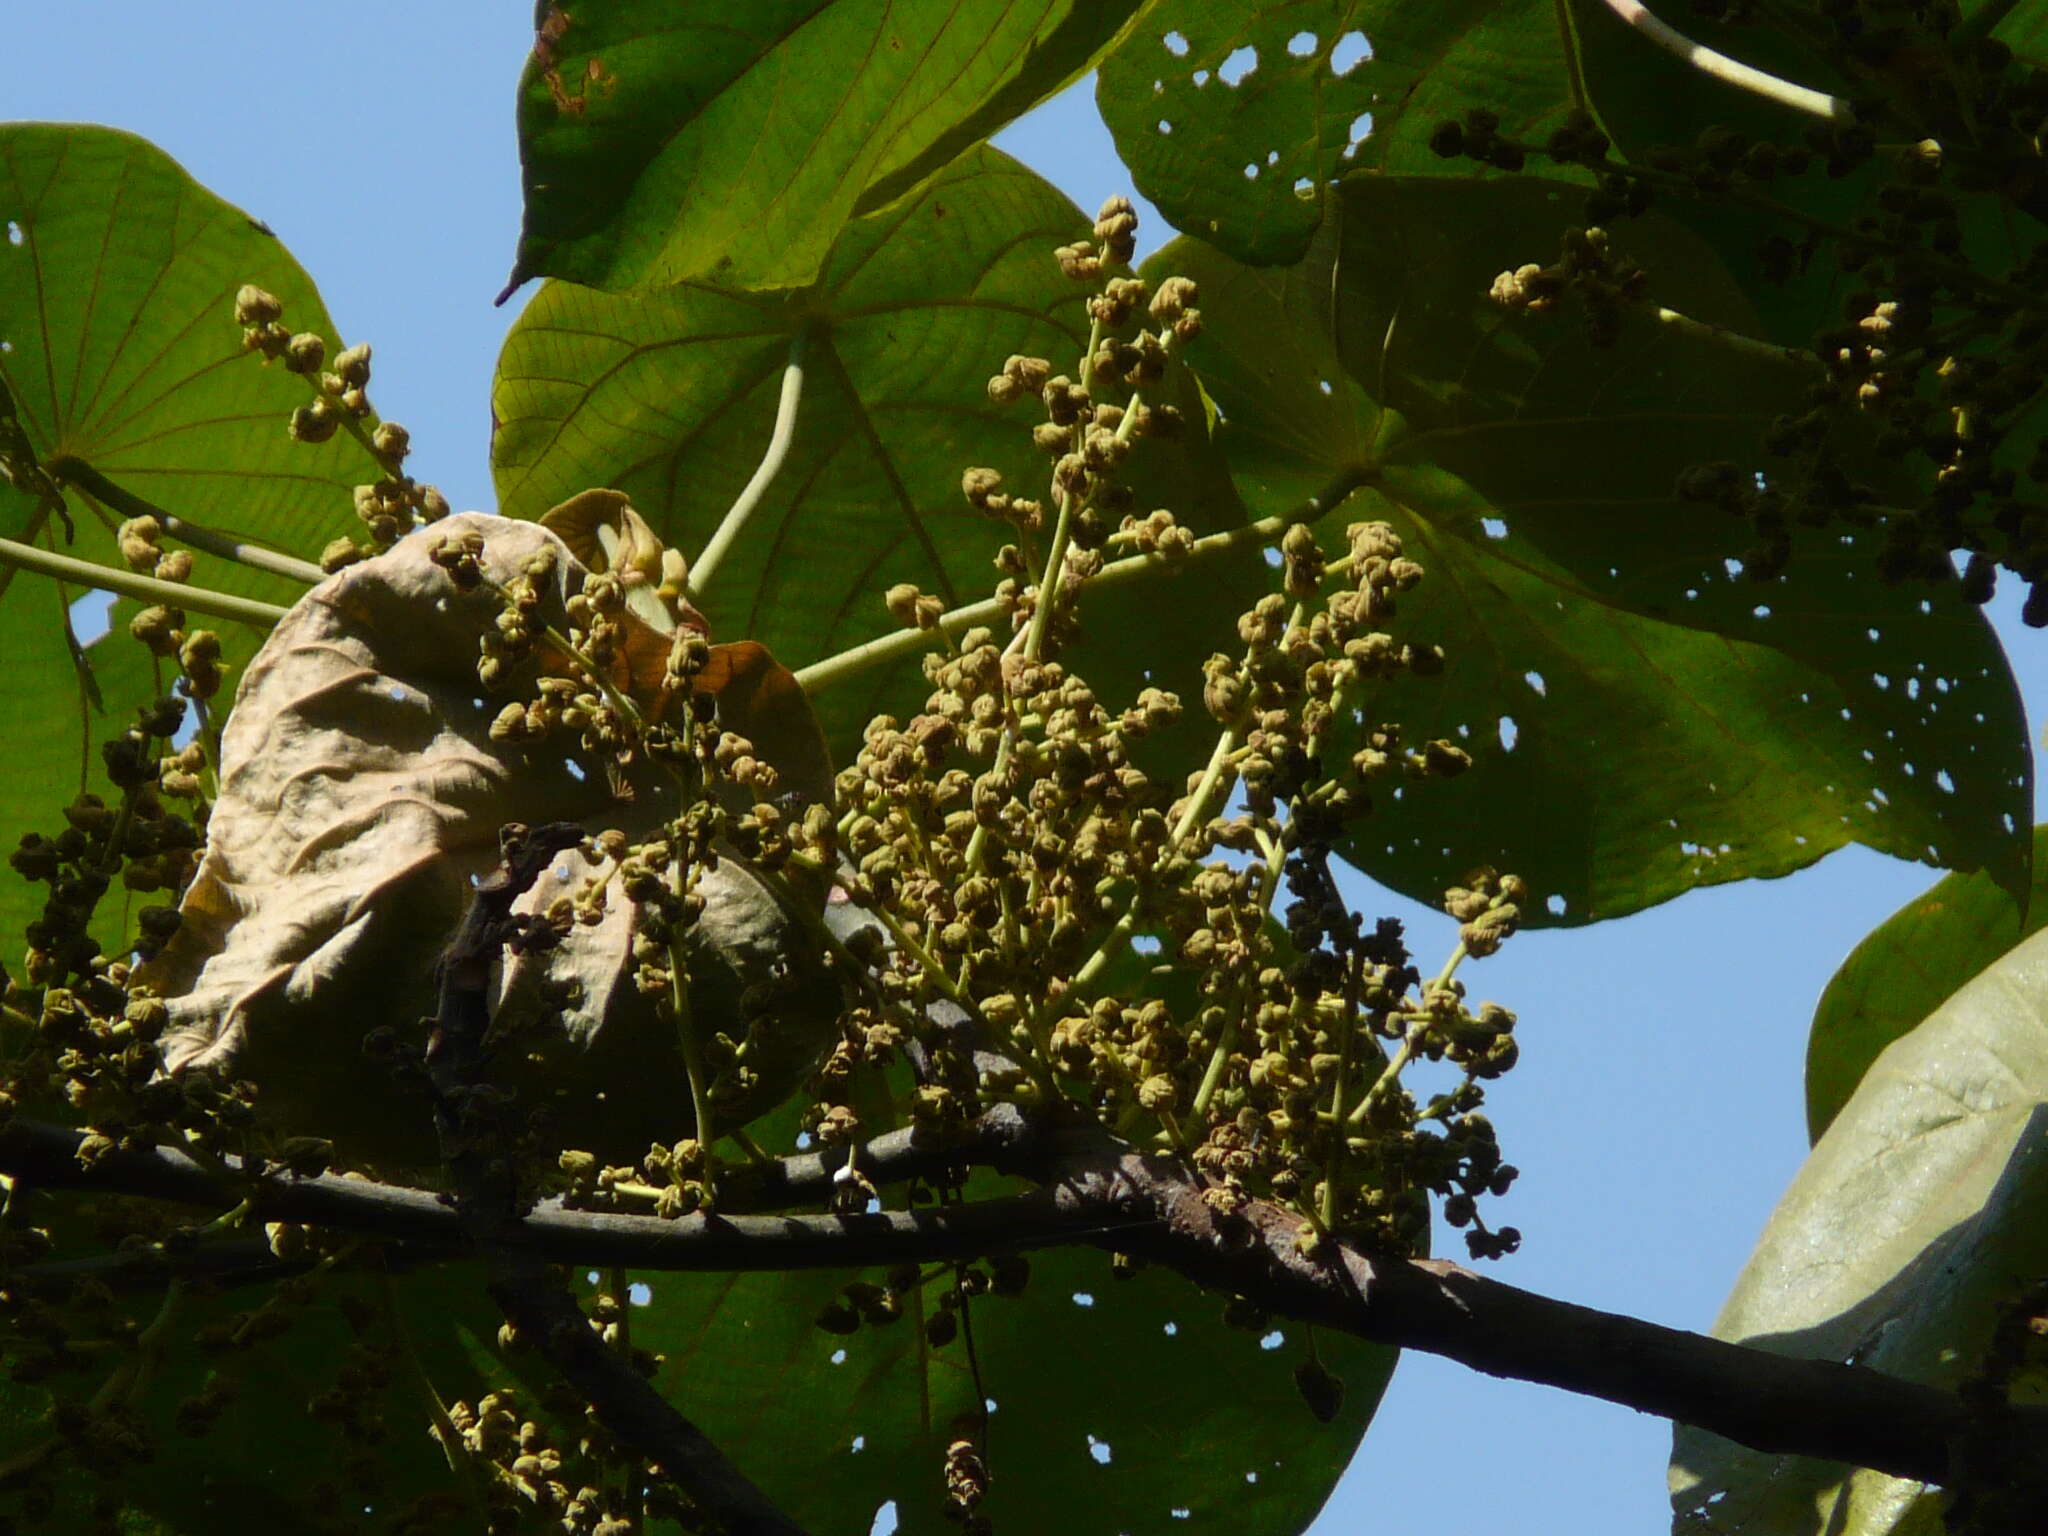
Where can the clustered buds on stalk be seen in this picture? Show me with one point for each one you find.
(393, 503)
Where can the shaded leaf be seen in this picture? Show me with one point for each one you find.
(314, 1431)
(361, 791)
(119, 348)
(733, 143)
(1672, 725)
(1233, 116)
(1905, 969)
(670, 397)
(1128, 1398)
(1920, 1212)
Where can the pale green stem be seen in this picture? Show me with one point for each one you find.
(147, 589)
(693, 1049)
(1749, 346)
(1196, 811)
(1387, 1078)
(1334, 1160)
(453, 1450)
(1729, 71)
(81, 474)
(897, 644)
(750, 498)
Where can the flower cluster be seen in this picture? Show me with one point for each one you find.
(391, 504)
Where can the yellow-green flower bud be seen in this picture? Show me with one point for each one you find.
(314, 423)
(254, 306)
(305, 352)
(353, 364)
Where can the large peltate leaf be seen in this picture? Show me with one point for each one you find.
(1921, 1211)
(1130, 1399)
(1233, 115)
(119, 348)
(731, 143)
(1644, 720)
(1908, 966)
(671, 398)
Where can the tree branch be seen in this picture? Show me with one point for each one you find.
(476, 1150)
(1100, 1191)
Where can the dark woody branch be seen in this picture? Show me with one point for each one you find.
(472, 1121)
(1099, 1191)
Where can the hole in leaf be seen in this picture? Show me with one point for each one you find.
(1760, 611)
(1251, 172)
(1242, 61)
(1302, 44)
(1273, 1340)
(1535, 680)
(92, 616)
(1272, 557)
(1200, 77)
(1943, 782)
(1494, 527)
(1165, 126)
(576, 770)
(1303, 186)
(1170, 1329)
(1509, 733)
(1099, 1449)
(859, 1444)
(1351, 48)
(1175, 44)
(1083, 1299)
(1361, 129)
(885, 1520)
(640, 1294)
(1554, 906)
(14, 234)
(839, 1357)
(1326, 386)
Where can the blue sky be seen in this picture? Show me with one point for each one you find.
(1657, 1110)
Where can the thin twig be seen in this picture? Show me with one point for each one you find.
(147, 589)
(81, 474)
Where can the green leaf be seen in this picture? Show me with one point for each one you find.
(671, 398)
(1905, 969)
(732, 143)
(321, 1427)
(1241, 159)
(1921, 1211)
(1128, 1398)
(119, 347)
(1673, 725)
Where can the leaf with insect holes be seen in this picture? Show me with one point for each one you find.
(1642, 719)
